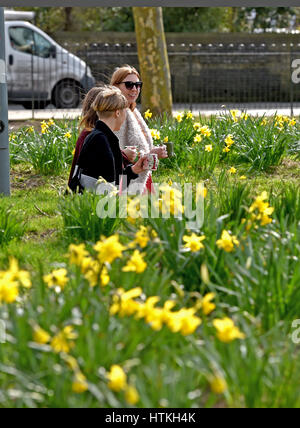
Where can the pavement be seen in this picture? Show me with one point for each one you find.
(19, 113)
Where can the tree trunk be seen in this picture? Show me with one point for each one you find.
(153, 59)
(68, 18)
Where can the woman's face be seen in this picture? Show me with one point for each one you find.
(130, 94)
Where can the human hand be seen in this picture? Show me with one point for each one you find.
(160, 151)
(131, 153)
(141, 165)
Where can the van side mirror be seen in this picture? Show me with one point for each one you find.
(52, 51)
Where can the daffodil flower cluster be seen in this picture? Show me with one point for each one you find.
(94, 270)
(260, 211)
(236, 115)
(63, 341)
(281, 121)
(229, 142)
(184, 321)
(11, 280)
(155, 134)
(46, 125)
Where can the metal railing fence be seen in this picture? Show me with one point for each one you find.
(206, 75)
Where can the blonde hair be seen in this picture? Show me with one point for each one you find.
(108, 100)
(89, 116)
(120, 74)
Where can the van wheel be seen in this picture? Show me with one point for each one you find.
(66, 95)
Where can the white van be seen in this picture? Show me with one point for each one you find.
(39, 69)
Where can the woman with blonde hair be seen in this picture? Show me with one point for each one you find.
(134, 131)
(87, 124)
(100, 155)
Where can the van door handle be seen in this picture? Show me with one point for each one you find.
(10, 60)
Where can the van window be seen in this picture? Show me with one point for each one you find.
(42, 46)
(21, 39)
(28, 41)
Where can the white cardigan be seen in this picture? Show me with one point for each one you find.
(131, 134)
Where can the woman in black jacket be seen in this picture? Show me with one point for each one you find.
(100, 155)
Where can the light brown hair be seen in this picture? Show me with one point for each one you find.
(120, 74)
(108, 100)
(89, 116)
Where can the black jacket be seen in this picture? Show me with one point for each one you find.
(101, 156)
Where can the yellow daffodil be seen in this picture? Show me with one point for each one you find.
(235, 114)
(63, 341)
(184, 321)
(227, 242)
(155, 134)
(68, 135)
(226, 149)
(104, 277)
(44, 127)
(189, 115)
(197, 126)
(264, 210)
(207, 306)
(40, 336)
(142, 237)
(218, 384)
(229, 140)
(77, 253)
(57, 278)
(9, 291)
(136, 263)
(179, 117)
(131, 395)
(194, 242)
(232, 170)
(109, 249)
(197, 138)
(209, 148)
(205, 131)
(226, 330)
(15, 274)
(79, 384)
(92, 270)
(148, 114)
(117, 378)
(123, 302)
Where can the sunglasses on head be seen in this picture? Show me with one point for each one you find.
(130, 85)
